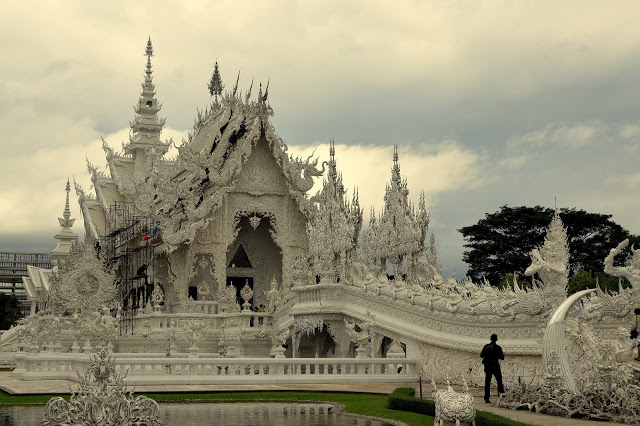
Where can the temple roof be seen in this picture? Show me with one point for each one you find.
(223, 137)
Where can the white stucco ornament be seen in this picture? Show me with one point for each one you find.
(102, 400)
(453, 407)
(81, 282)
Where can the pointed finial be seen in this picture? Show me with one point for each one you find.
(215, 84)
(149, 50)
(66, 221)
(67, 211)
(332, 148)
(395, 154)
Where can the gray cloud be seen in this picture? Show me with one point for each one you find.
(536, 100)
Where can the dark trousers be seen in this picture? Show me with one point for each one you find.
(487, 380)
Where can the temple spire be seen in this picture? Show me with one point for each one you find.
(66, 237)
(147, 126)
(66, 221)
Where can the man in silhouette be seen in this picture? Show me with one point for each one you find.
(491, 355)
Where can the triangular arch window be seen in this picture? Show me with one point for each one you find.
(240, 259)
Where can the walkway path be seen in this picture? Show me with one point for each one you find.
(50, 387)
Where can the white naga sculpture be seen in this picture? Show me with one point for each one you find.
(453, 407)
(102, 400)
(631, 272)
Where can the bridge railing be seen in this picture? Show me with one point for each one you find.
(156, 369)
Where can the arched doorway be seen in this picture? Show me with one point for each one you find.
(253, 258)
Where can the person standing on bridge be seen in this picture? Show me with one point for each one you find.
(491, 355)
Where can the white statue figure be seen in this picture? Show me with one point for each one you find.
(193, 330)
(228, 301)
(157, 297)
(625, 348)
(631, 272)
(247, 294)
(551, 263)
(273, 295)
(362, 338)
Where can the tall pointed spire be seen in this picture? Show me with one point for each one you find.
(66, 221)
(147, 126)
(215, 84)
(66, 237)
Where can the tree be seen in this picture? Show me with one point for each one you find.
(10, 311)
(500, 243)
(583, 280)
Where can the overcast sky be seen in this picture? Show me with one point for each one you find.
(490, 103)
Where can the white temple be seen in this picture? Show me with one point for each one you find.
(179, 250)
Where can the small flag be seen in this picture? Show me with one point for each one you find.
(144, 239)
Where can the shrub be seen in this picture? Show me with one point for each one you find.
(404, 399)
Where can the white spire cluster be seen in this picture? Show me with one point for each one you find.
(399, 231)
(334, 227)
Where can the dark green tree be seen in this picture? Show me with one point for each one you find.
(583, 280)
(10, 311)
(499, 244)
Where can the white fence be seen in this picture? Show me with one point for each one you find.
(155, 369)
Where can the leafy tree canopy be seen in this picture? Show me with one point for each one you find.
(583, 280)
(10, 311)
(500, 243)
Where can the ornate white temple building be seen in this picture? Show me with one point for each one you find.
(222, 253)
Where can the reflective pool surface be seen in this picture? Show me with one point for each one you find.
(259, 414)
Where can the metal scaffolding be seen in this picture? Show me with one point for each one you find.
(129, 249)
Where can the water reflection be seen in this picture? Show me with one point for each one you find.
(262, 414)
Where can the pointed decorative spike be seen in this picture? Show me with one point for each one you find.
(235, 88)
(248, 96)
(149, 50)
(215, 84)
(266, 91)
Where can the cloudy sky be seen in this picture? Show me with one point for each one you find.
(490, 103)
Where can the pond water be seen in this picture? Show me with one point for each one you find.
(235, 414)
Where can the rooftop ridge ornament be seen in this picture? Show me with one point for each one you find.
(215, 84)
(102, 400)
